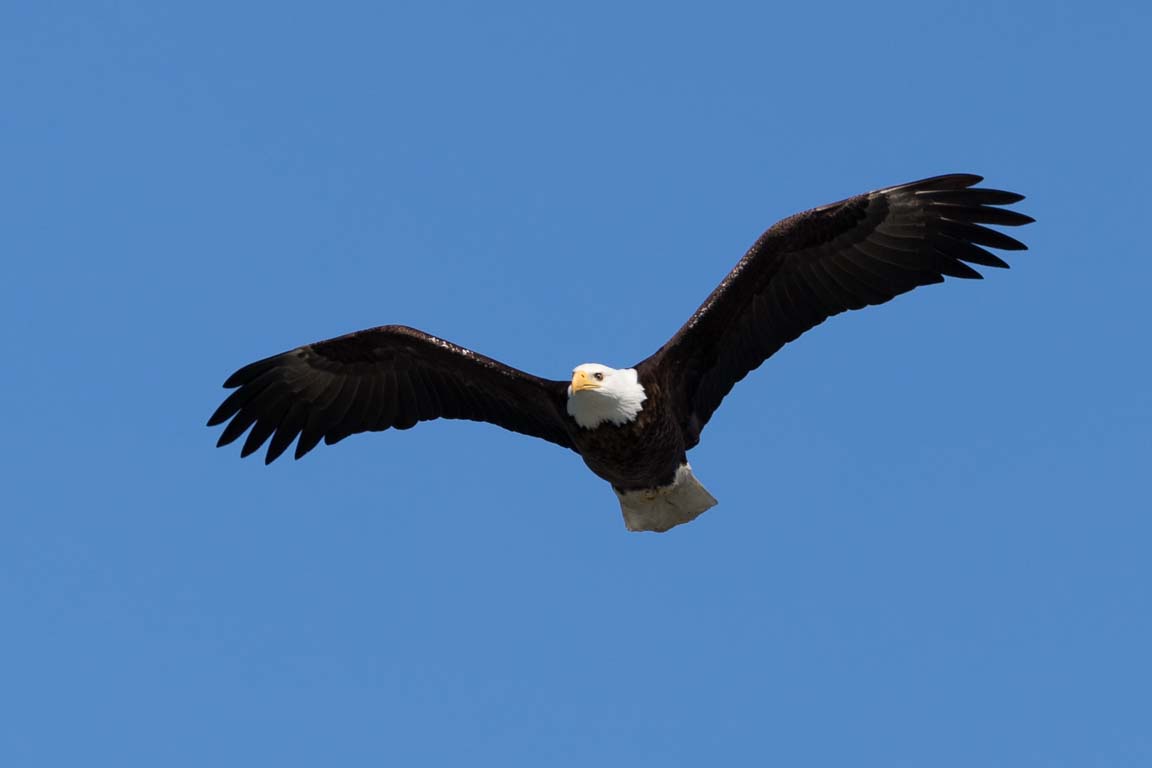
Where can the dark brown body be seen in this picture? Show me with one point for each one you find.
(640, 455)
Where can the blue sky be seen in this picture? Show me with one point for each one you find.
(932, 542)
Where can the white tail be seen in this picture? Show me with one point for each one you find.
(659, 509)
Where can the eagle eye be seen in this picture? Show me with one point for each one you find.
(598, 376)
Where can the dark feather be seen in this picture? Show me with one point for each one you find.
(238, 399)
(981, 214)
(407, 415)
(846, 255)
(238, 426)
(287, 431)
(392, 376)
(974, 196)
(310, 437)
(954, 268)
(974, 233)
(335, 431)
(958, 249)
(276, 406)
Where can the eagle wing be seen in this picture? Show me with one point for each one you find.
(371, 380)
(847, 255)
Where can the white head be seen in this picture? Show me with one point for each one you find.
(599, 394)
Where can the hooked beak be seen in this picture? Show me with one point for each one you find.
(581, 381)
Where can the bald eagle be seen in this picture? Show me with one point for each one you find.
(634, 426)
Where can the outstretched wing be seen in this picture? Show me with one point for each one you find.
(392, 376)
(847, 255)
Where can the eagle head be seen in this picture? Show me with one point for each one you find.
(599, 394)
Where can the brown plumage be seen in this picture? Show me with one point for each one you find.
(847, 255)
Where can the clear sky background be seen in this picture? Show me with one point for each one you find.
(932, 544)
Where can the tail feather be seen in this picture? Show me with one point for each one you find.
(659, 509)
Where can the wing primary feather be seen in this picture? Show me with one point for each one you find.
(289, 428)
(973, 196)
(974, 233)
(252, 371)
(241, 397)
(329, 389)
(310, 437)
(319, 421)
(266, 423)
(965, 251)
(229, 407)
(953, 268)
(239, 424)
(981, 214)
(264, 398)
(949, 181)
(335, 403)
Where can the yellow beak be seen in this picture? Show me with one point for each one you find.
(581, 380)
